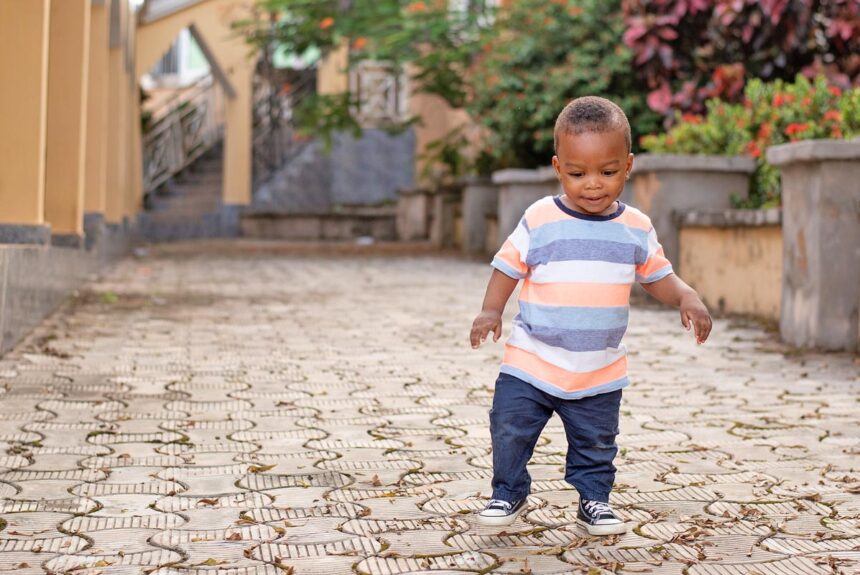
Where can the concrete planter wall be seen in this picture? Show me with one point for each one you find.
(667, 184)
(413, 214)
(445, 212)
(518, 189)
(821, 239)
(480, 199)
(733, 258)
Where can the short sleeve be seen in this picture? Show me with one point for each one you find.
(656, 266)
(511, 257)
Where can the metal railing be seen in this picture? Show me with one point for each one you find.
(274, 129)
(184, 128)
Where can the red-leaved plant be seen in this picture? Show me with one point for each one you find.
(687, 51)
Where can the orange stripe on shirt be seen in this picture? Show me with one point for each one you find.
(576, 294)
(509, 254)
(656, 262)
(561, 378)
(634, 219)
(544, 212)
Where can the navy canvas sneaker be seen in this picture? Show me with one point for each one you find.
(499, 512)
(599, 518)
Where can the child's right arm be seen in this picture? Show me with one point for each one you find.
(499, 290)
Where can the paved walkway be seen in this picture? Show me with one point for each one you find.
(215, 409)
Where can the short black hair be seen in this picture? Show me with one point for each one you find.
(592, 114)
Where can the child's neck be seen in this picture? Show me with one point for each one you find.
(613, 207)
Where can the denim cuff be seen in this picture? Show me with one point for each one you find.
(508, 496)
(594, 496)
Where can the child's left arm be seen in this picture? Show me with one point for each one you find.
(673, 291)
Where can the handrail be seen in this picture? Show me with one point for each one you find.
(191, 125)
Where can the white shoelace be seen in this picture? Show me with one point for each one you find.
(499, 503)
(597, 507)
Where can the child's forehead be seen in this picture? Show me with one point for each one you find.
(589, 142)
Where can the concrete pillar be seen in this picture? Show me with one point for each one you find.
(821, 242)
(117, 125)
(24, 30)
(666, 184)
(97, 118)
(237, 137)
(134, 163)
(68, 63)
(480, 199)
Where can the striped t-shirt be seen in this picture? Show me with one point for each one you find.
(578, 270)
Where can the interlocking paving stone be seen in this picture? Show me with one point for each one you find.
(88, 524)
(469, 560)
(791, 566)
(270, 552)
(72, 563)
(235, 430)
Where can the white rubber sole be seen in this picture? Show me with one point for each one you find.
(616, 529)
(503, 520)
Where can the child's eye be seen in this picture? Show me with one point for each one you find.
(610, 172)
(576, 174)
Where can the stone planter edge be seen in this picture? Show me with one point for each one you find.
(814, 151)
(521, 176)
(729, 218)
(692, 163)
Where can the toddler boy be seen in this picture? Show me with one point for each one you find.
(578, 254)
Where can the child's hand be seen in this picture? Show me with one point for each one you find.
(694, 314)
(486, 322)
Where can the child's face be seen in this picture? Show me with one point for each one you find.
(592, 168)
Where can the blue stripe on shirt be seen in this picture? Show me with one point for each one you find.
(586, 250)
(574, 317)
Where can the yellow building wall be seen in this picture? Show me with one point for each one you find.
(735, 270)
(438, 119)
(24, 27)
(332, 77)
(68, 65)
(97, 118)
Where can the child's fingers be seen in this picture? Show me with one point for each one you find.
(704, 329)
(497, 331)
(479, 334)
(685, 321)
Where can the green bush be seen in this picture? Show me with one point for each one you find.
(539, 56)
(770, 114)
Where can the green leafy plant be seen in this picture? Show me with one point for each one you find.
(540, 55)
(770, 114)
(437, 44)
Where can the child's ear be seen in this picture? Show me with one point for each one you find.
(556, 165)
(629, 164)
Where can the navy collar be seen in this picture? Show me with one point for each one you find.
(589, 217)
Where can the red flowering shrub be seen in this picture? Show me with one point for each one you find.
(769, 114)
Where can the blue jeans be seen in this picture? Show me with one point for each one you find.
(520, 412)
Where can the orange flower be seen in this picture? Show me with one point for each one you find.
(778, 100)
(753, 150)
(806, 101)
(833, 115)
(795, 128)
(764, 131)
(691, 118)
(359, 43)
(836, 132)
(417, 7)
(835, 90)
(326, 23)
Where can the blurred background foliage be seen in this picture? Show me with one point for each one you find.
(699, 76)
